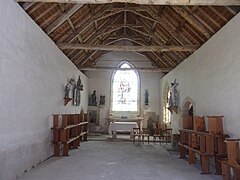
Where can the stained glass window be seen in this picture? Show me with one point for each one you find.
(125, 90)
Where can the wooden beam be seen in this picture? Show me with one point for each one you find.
(218, 13)
(150, 2)
(210, 18)
(230, 10)
(126, 48)
(145, 69)
(191, 20)
(26, 6)
(63, 18)
(45, 12)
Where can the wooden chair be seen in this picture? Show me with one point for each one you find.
(144, 133)
(157, 135)
(136, 133)
(167, 135)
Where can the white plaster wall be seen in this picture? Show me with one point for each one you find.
(101, 81)
(33, 72)
(211, 78)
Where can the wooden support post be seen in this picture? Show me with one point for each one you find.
(191, 157)
(65, 149)
(218, 164)
(56, 145)
(236, 174)
(205, 164)
(182, 152)
(202, 144)
(226, 170)
(56, 149)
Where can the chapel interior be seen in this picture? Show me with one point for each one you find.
(119, 89)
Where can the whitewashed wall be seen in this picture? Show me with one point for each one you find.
(211, 78)
(33, 72)
(101, 81)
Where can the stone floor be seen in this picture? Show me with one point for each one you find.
(104, 158)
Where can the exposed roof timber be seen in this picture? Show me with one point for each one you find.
(126, 48)
(150, 2)
(63, 18)
(210, 18)
(126, 69)
(45, 12)
(218, 13)
(102, 28)
(27, 5)
(91, 20)
(88, 57)
(191, 20)
(167, 26)
(230, 10)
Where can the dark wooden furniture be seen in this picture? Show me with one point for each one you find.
(205, 144)
(144, 133)
(232, 162)
(136, 133)
(68, 131)
(140, 134)
(157, 136)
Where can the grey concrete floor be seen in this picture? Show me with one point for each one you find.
(118, 160)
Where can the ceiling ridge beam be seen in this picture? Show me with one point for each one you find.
(127, 48)
(62, 18)
(149, 2)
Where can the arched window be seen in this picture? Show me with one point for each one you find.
(125, 91)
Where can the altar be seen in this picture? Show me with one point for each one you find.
(115, 127)
(137, 120)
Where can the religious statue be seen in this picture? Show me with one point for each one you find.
(76, 92)
(102, 100)
(146, 98)
(173, 97)
(68, 88)
(174, 93)
(93, 99)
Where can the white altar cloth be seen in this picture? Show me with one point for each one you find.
(121, 126)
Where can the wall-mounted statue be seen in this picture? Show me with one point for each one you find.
(76, 92)
(102, 100)
(146, 98)
(68, 87)
(173, 98)
(93, 99)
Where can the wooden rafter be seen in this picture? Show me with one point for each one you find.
(89, 21)
(145, 69)
(63, 18)
(95, 40)
(230, 10)
(102, 28)
(27, 5)
(191, 20)
(150, 2)
(45, 12)
(35, 7)
(167, 26)
(218, 13)
(126, 48)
